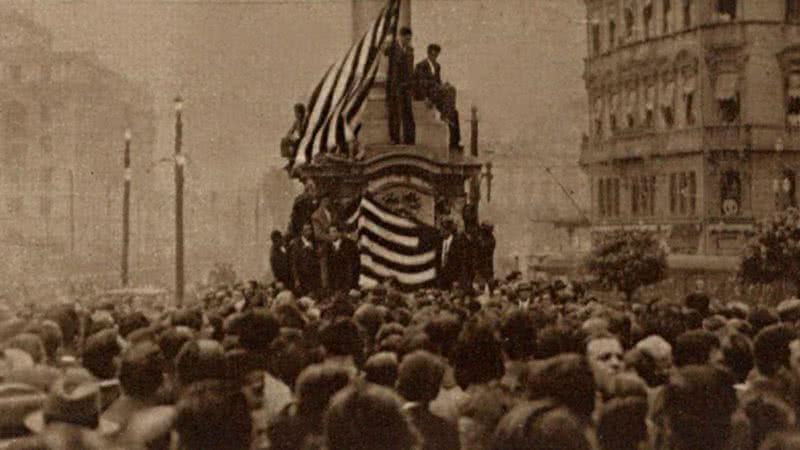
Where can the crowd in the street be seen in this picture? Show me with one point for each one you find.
(529, 365)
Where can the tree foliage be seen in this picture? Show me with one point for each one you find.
(773, 253)
(627, 260)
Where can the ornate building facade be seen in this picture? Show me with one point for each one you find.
(694, 123)
(63, 117)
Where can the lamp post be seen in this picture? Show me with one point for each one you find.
(126, 208)
(179, 162)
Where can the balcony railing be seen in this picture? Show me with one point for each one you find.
(635, 144)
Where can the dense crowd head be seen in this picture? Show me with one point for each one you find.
(529, 365)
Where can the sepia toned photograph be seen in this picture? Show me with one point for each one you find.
(399, 225)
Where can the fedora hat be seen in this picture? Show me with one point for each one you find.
(74, 399)
(17, 400)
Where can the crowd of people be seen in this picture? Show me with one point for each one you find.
(527, 365)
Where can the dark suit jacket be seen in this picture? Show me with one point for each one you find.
(342, 265)
(281, 265)
(302, 210)
(427, 80)
(453, 268)
(305, 267)
(401, 69)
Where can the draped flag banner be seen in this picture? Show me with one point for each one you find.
(335, 107)
(392, 246)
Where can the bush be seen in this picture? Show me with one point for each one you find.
(773, 253)
(626, 260)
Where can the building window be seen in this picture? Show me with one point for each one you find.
(793, 100)
(601, 197)
(687, 13)
(727, 95)
(615, 197)
(15, 205)
(666, 16)
(792, 10)
(647, 16)
(630, 21)
(687, 193)
(15, 73)
(635, 196)
(649, 104)
(726, 10)
(45, 206)
(683, 193)
(631, 108)
(16, 120)
(597, 112)
(612, 118)
(673, 193)
(596, 38)
(668, 104)
(612, 33)
(731, 191)
(689, 86)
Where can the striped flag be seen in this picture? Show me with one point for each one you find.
(392, 246)
(335, 107)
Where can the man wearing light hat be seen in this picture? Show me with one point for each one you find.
(72, 408)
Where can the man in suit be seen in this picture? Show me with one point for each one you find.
(322, 218)
(306, 272)
(399, 89)
(342, 263)
(428, 75)
(303, 207)
(279, 260)
(451, 255)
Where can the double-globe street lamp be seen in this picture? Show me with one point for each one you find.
(126, 208)
(180, 160)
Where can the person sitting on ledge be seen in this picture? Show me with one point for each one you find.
(428, 74)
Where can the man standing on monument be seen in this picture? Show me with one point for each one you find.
(428, 75)
(399, 89)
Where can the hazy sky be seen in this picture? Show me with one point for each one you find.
(242, 64)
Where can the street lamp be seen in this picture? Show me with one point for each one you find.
(126, 208)
(179, 163)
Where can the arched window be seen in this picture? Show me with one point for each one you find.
(666, 16)
(16, 119)
(630, 22)
(647, 19)
(687, 13)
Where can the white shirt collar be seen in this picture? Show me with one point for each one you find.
(306, 242)
(433, 66)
